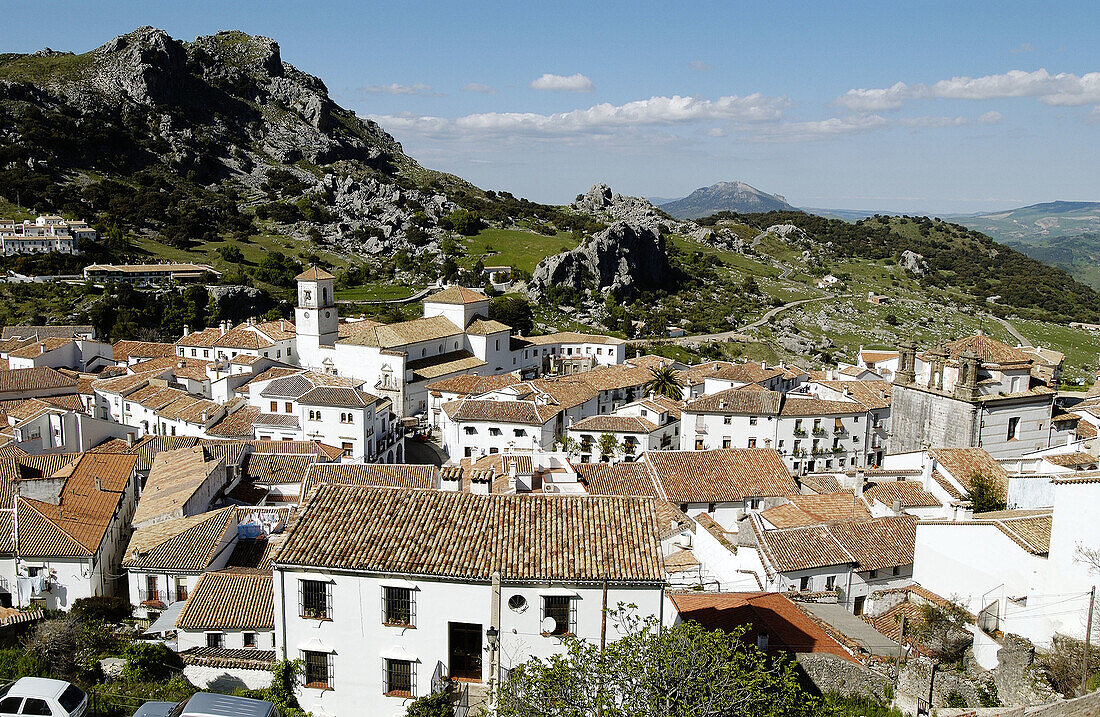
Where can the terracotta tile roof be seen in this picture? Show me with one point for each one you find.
(179, 544)
(149, 446)
(314, 273)
(469, 384)
(277, 469)
(721, 475)
(1030, 529)
(788, 628)
(229, 600)
(274, 372)
(910, 493)
(90, 498)
(572, 337)
(618, 479)
(236, 425)
(277, 420)
(875, 356)
(865, 544)
(990, 351)
(680, 561)
(1076, 459)
(229, 659)
(44, 332)
(456, 295)
(611, 378)
(525, 412)
(943, 482)
(39, 378)
(821, 483)
(610, 423)
(370, 474)
(484, 327)
(872, 394)
(1085, 430)
(38, 348)
(798, 406)
(566, 392)
(432, 367)
(403, 333)
(963, 463)
(462, 535)
(243, 337)
(324, 450)
(338, 397)
(201, 339)
(69, 402)
(499, 462)
(277, 330)
(175, 476)
(737, 401)
(650, 361)
(663, 403)
(125, 350)
(813, 509)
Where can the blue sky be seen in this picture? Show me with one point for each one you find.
(934, 107)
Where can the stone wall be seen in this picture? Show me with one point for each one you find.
(921, 418)
(831, 673)
(222, 679)
(1087, 706)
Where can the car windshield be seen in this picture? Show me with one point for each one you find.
(71, 698)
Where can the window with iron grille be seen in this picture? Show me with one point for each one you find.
(563, 609)
(249, 639)
(398, 606)
(315, 599)
(318, 669)
(399, 678)
(215, 639)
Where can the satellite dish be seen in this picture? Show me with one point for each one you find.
(549, 624)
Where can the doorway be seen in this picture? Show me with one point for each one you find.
(464, 650)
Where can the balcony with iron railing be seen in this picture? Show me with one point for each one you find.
(819, 431)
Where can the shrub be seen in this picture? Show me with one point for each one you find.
(107, 609)
(437, 705)
(151, 662)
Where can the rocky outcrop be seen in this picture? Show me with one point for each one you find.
(600, 202)
(237, 303)
(623, 258)
(726, 197)
(913, 262)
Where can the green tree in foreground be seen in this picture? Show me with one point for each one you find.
(665, 381)
(681, 671)
(985, 494)
(514, 311)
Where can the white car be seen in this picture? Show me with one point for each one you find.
(40, 696)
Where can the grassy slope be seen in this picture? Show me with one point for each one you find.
(513, 247)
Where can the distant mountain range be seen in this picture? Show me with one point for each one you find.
(724, 197)
(1064, 234)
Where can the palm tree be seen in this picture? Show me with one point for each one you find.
(665, 381)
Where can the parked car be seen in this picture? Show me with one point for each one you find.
(41, 696)
(209, 704)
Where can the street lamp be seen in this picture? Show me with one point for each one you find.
(493, 636)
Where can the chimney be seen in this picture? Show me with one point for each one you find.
(512, 467)
(131, 439)
(186, 329)
(223, 327)
(97, 485)
(896, 507)
(764, 365)
(181, 364)
(205, 416)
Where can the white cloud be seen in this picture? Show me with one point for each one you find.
(570, 83)
(398, 89)
(933, 121)
(991, 117)
(820, 129)
(1023, 47)
(480, 88)
(700, 65)
(1062, 89)
(755, 108)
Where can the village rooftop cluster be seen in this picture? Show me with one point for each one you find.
(264, 491)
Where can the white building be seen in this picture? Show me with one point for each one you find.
(454, 337)
(47, 233)
(184, 272)
(331, 409)
(269, 339)
(72, 521)
(76, 354)
(818, 428)
(398, 600)
(649, 424)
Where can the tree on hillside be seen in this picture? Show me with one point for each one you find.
(665, 381)
(942, 629)
(514, 311)
(680, 671)
(985, 494)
